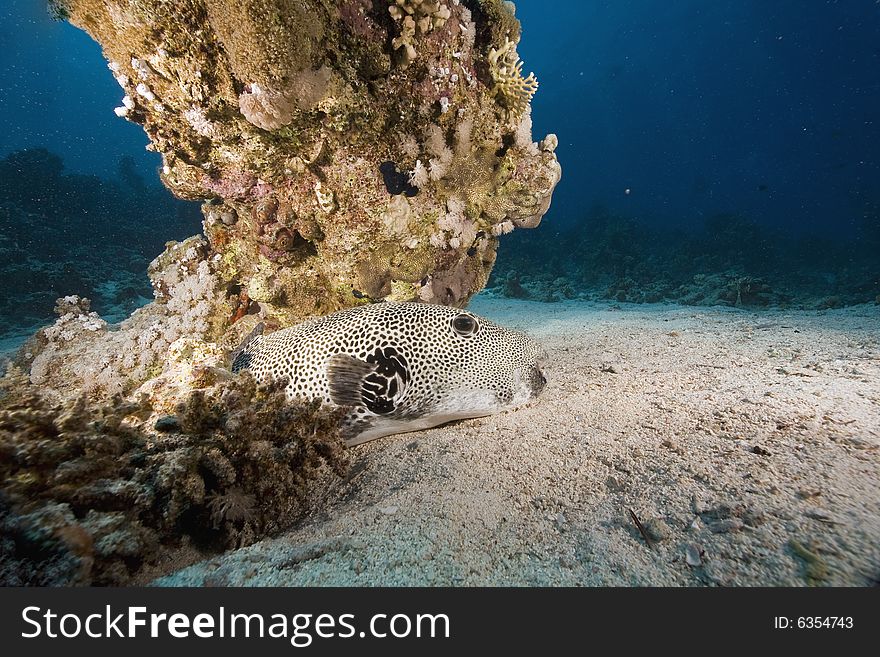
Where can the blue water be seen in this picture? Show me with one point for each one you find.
(747, 106)
(59, 94)
(732, 137)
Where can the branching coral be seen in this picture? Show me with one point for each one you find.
(514, 90)
(91, 494)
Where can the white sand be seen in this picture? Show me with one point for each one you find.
(657, 409)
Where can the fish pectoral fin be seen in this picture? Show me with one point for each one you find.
(346, 375)
(378, 385)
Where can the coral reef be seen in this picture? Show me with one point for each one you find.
(304, 125)
(344, 152)
(82, 354)
(101, 493)
(732, 262)
(63, 234)
(331, 174)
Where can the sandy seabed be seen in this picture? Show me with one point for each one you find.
(744, 443)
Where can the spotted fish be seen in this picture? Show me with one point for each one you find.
(400, 366)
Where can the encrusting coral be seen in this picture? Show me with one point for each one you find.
(100, 493)
(82, 354)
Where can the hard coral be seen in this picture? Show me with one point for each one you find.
(267, 41)
(514, 90)
(81, 353)
(415, 18)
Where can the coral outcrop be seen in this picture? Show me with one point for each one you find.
(344, 149)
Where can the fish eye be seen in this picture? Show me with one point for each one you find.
(464, 325)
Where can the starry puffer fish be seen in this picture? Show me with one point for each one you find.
(399, 366)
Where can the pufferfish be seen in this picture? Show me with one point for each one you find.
(399, 366)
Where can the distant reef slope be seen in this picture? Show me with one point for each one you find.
(725, 260)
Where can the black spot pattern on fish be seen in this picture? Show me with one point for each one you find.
(417, 361)
(390, 378)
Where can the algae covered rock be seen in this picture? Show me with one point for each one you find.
(103, 492)
(344, 149)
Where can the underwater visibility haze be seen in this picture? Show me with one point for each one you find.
(706, 282)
